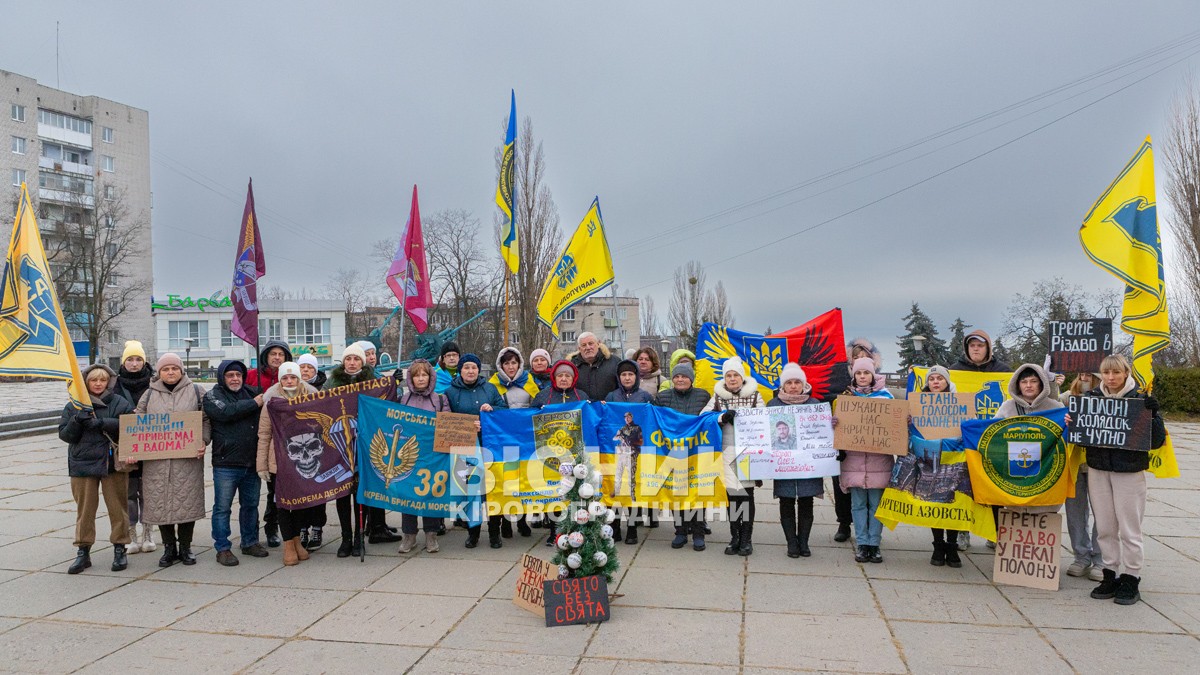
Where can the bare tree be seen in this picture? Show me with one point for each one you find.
(94, 247)
(1181, 158)
(651, 325)
(1026, 321)
(719, 310)
(689, 302)
(352, 287)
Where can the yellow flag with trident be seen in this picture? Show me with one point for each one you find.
(34, 339)
(583, 268)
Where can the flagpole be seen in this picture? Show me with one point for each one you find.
(505, 339)
(403, 313)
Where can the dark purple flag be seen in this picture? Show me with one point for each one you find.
(313, 437)
(249, 266)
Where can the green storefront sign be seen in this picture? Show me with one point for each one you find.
(178, 303)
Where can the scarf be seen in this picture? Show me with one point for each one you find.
(136, 383)
(793, 399)
(517, 382)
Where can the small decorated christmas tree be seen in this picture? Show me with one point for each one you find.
(585, 535)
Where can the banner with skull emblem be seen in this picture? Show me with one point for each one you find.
(314, 442)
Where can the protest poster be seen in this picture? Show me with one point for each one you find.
(150, 436)
(867, 424)
(1102, 422)
(533, 574)
(937, 416)
(577, 600)
(989, 389)
(455, 433)
(780, 442)
(313, 438)
(1079, 345)
(1027, 550)
(656, 457)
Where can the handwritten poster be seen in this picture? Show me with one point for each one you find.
(148, 436)
(1027, 549)
(791, 441)
(866, 424)
(938, 416)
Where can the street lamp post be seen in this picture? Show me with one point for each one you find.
(187, 354)
(918, 350)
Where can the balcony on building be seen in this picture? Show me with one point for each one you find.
(64, 128)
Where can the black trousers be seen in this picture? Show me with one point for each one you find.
(841, 504)
(271, 514)
(408, 523)
(291, 522)
(940, 535)
(184, 531)
(741, 507)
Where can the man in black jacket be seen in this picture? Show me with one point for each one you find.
(233, 407)
(597, 368)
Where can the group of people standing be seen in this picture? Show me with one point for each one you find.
(169, 494)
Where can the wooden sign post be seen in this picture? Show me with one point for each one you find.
(578, 600)
(865, 424)
(534, 573)
(1027, 549)
(939, 416)
(455, 433)
(1102, 422)
(148, 436)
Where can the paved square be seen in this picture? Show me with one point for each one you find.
(678, 611)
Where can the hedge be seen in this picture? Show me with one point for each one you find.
(1178, 389)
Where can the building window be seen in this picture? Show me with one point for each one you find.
(113, 337)
(18, 176)
(110, 222)
(226, 332)
(62, 121)
(110, 192)
(18, 145)
(568, 336)
(179, 332)
(108, 163)
(106, 134)
(65, 183)
(308, 331)
(18, 112)
(270, 329)
(114, 307)
(621, 313)
(568, 315)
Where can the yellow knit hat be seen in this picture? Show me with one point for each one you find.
(133, 348)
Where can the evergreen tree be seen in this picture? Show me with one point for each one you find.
(585, 542)
(933, 351)
(958, 331)
(1000, 353)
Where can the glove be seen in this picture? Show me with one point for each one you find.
(95, 423)
(727, 416)
(265, 476)
(1151, 404)
(84, 418)
(841, 456)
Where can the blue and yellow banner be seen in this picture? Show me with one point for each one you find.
(1120, 234)
(1020, 461)
(506, 193)
(398, 468)
(990, 389)
(34, 339)
(931, 487)
(583, 269)
(652, 456)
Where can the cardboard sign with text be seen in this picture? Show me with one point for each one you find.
(865, 424)
(1027, 549)
(174, 435)
(1101, 422)
(578, 600)
(1079, 345)
(534, 572)
(939, 416)
(455, 433)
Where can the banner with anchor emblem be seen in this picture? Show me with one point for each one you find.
(314, 438)
(1020, 461)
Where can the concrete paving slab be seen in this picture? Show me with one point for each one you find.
(392, 618)
(1077, 609)
(945, 603)
(1114, 652)
(291, 610)
(442, 660)
(172, 651)
(145, 604)
(501, 627)
(684, 636)
(820, 643)
(49, 647)
(914, 566)
(834, 596)
(955, 648)
(446, 576)
(1181, 608)
(316, 573)
(296, 657)
(33, 523)
(594, 666)
(701, 589)
(42, 593)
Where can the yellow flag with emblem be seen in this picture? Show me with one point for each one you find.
(34, 340)
(584, 268)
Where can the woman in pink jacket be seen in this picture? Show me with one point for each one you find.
(865, 474)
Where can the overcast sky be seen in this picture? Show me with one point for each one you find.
(671, 112)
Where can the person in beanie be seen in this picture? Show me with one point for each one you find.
(677, 357)
(420, 394)
(596, 365)
(174, 488)
(518, 389)
(291, 521)
(273, 354)
(795, 495)
(133, 379)
(370, 355)
(470, 395)
(865, 475)
(92, 465)
(561, 390)
(310, 371)
(945, 542)
(233, 409)
(684, 398)
(629, 389)
(735, 392)
(539, 368)
(447, 365)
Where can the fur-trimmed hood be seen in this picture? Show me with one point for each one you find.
(870, 348)
(605, 353)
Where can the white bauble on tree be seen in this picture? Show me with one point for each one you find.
(566, 468)
(562, 542)
(580, 471)
(575, 539)
(574, 561)
(563, 572)
(606, 532)
(596, 509)
(610, 516)
(601, 558)
(587, 490)
(582, 517)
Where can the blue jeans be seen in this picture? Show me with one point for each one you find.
(1085, 548)
(226, 480)
(863, 502)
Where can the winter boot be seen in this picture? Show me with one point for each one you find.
(135, 545)
(680, 536)
(356, 549)
(506, 529)
(495, 532)
(616, 526)
(700, 529)
(290, 557)
(185, 552)
(862, 554)
(939, 553)
(787, 520)
(843, 533)
(735, 537)
(804, 531)
(876, 555)
(120, 560)
(301, 552)
(630, 533)
(747, 548)
(473, 536)
(83, 560)
(347, 544)
(272, 533)
(148, 539)
(952, 559)
(431, 542)
(170, 555)
(1127, 590)
(523, 527)
(407, 542)
(1107, 589)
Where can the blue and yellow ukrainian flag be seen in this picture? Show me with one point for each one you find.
(506, 193)
(584, 268)
(1120, 234)
(34, 339)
